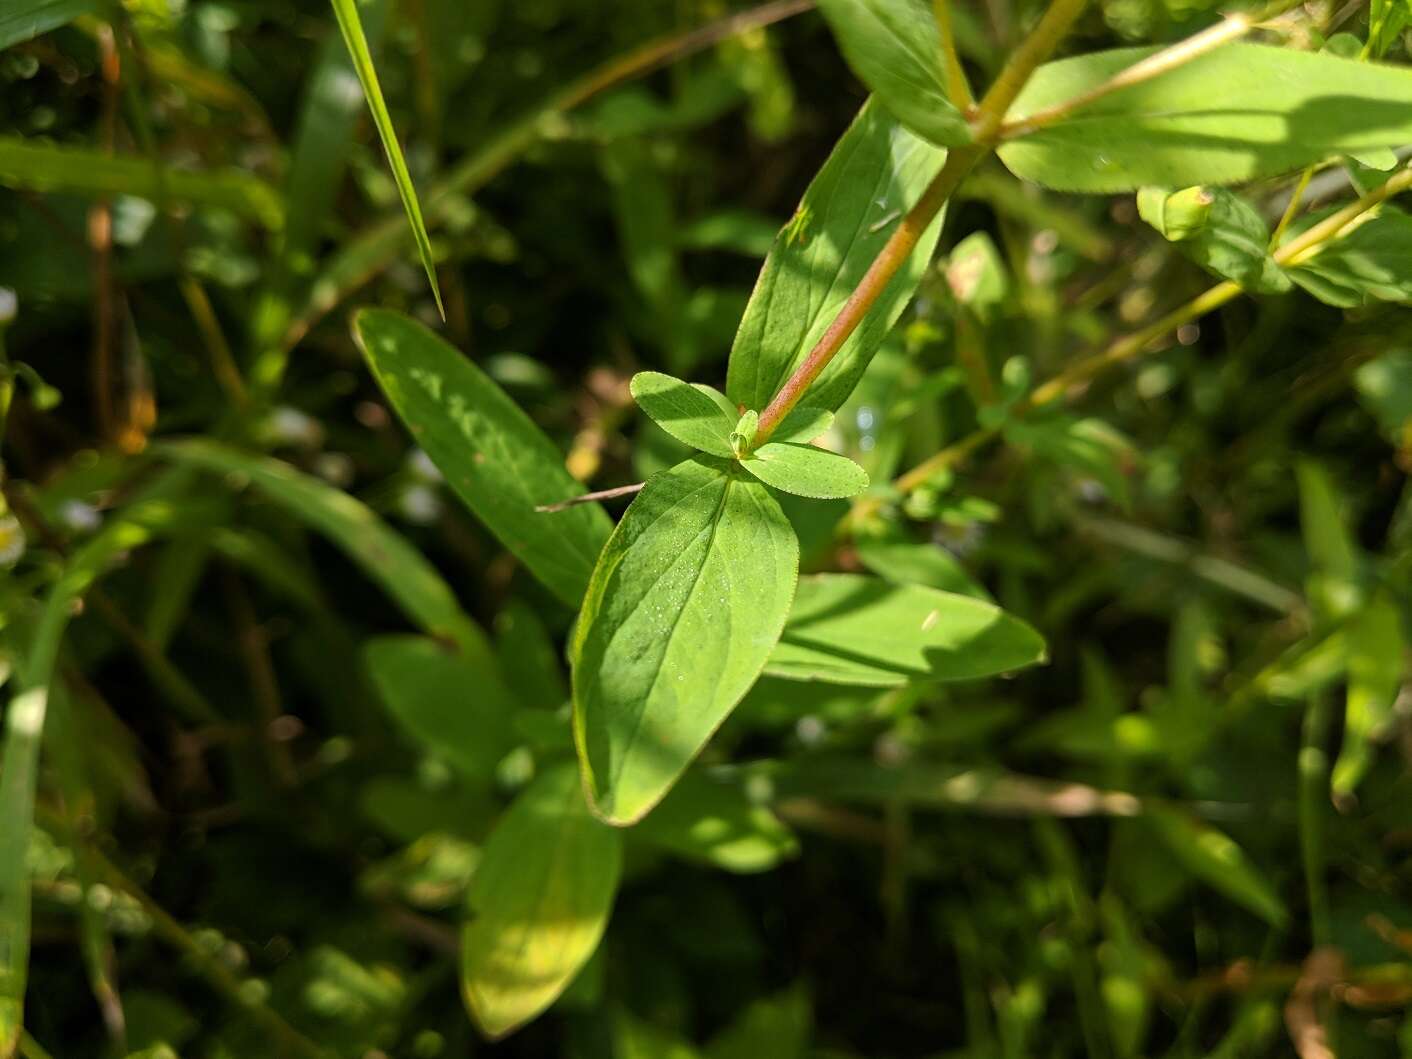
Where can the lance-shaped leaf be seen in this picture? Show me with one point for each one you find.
(686, 603)
(715, 823)
(1237, 113)
(895, 49)
(1375, 646)
(454, 704)
(493, 456)
(695, 415)
(850, 629)
(1215, 859)
(877, 172)
(1218, 230)
(1372, 262)
(539, 903)
(806, 471)
(23, 20)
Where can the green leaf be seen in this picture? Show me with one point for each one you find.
(906, 562)
(806, 471)
(1092, 447)
(695, 415)
(346, 11)
(530, 661)
(493, 456)
(895, 49)
(1217, 861)
(777, 1026)
(803, 424)
(977, 277)
(44, 167)
(1375, 646)
(687, 600)
(1385, 389)
(877, 172)
(384, 555)
(850, 629)
(1218, 230)
(1333, 583)
(1237, 113)
(23, 20)
(1368, 263)
(539, 903)
(715, 823)
(454, 703)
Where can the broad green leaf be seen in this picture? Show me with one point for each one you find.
(1234, 114)
(803, 424)
(1375, 645)
(531, 663)
(493, 456)
(1369, 263)
(687, 600)
(453, 703)
(906, 562)
(850, 629)
(895, 49)
(44, 167)
(385, 556)
(1230, 239)
(715, 823)
(22, 20)
(1217, 861)
(877, 172)
(694, 415)
(539, 903)
(350, 23)
(806, 471)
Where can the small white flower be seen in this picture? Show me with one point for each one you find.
(420, 505)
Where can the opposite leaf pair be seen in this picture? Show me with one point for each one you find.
(704, 418)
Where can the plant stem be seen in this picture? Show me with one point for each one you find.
(1295, 252)
(956, 87)
(589, 498)
(1296, 196)
(991, 112)
(1313, 797)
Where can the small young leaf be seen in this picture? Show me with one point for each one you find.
(806, 471)
(1216, 860)
(743, 436)
(455, 705)
(877, 172)
(1370, 263)
(1234, 114)
(346, 11)
(493, 456)
(714, 823)
(1375, 646)
(849, 629)
(691, 414)
(686, 602)
(1218, 230)
(803, 424)
(895, 49)
(539, 903)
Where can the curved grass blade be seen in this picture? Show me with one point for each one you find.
(346, 11)
(686, 602)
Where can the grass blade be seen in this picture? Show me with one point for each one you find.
(352, 26)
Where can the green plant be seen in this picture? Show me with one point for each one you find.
(769, 638)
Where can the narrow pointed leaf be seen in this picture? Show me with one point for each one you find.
(493, 456)
(1215, 859)
(803, 424)
(849, 629)
(1237, 113)
(539, 903)
(383, 554)
(688, 413)
(877, 171)
(895, 49)
(687, 600)
(1370, 263)
(1375, 646)
(454, 704)
(346, 11)
(23, 20)
(715, 823)
(806, 471)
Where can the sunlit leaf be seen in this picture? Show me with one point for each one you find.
(715, 823)
(687, 600)
(1375, 644)
(1231, 240)
(693, 414)
(1369, 263)
(806, 471)
(1216, 860)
